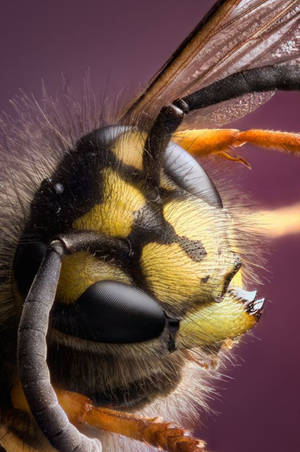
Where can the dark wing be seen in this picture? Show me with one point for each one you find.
(234, 35)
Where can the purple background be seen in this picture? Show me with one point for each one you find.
(124, 43)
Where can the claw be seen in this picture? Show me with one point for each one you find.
(253, 307)
(256, 307)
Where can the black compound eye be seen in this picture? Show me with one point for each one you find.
(27, 261)
(188, 174)
(110, 311)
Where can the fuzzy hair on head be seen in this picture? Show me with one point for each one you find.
(34, 138)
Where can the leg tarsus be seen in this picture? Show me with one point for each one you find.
(153, 431)
(282, 141)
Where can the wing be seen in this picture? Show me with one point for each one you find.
(234, 35)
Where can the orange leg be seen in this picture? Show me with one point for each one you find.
(281, 141)
(155, 432)
(205, 142)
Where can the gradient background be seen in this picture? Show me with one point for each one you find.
(123, 43)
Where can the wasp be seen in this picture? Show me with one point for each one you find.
(123, 268)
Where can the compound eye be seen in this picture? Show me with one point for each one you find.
(188, 174)
(110, 311)
(100, 138)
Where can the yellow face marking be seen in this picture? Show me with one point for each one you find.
(81, 270)
(191, 217)
(170, 273)
(213, 322)
(129, 147)
(195, 220)
(115, 215)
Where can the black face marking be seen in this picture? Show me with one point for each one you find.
(73, 190)
(149, 226)
(193, 248)
(205, 279)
